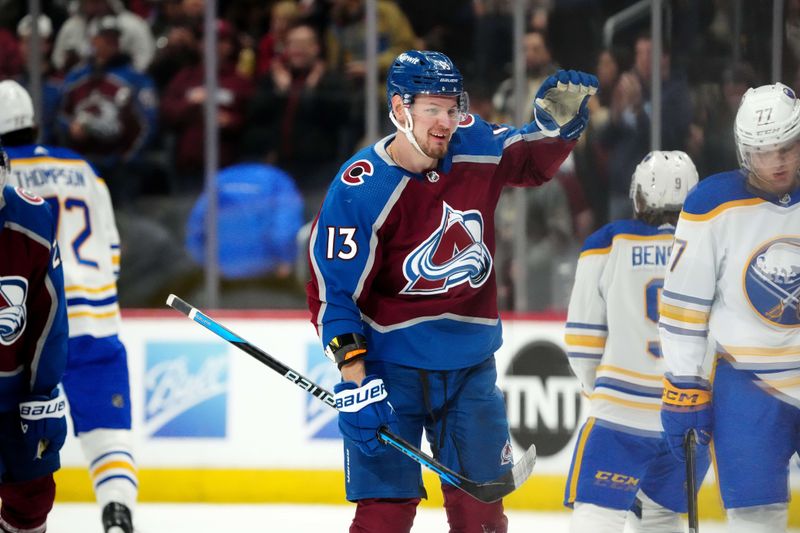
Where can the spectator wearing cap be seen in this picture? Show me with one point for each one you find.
(182, 110)
(51, 79)
(108, 111)
(71, 44)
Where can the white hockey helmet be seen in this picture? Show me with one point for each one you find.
(662, 180)
(16, 107)
(768, 119)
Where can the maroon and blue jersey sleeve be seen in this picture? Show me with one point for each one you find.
(33, 316)
(344, 247)
(524, 156)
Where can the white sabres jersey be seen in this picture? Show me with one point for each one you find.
(612, 323)
(87, 233)
(735, 278)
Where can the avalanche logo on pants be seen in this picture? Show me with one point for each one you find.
(772, 283)
(451, 255)
(13, 314)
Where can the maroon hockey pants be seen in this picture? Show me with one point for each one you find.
(25, 504)
(464, 514)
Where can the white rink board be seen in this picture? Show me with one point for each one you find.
(183, 377)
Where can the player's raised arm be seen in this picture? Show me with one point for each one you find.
(534, 152)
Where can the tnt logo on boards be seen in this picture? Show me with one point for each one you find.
(186, 389)
(543, 398)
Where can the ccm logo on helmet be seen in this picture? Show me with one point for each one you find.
(354, 174)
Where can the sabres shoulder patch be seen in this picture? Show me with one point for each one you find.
(355, 173)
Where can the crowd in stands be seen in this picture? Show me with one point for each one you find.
(123, 84)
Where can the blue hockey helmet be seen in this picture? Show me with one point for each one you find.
(422, 72)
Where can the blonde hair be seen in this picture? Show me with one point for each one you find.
(286, 9)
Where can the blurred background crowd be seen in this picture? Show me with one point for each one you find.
(123, 84)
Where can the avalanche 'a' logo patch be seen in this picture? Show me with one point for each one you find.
(772, 281)
(354, 174)
(13, 313)
(451, 255)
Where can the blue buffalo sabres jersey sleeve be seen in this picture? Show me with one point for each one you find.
(33, 318)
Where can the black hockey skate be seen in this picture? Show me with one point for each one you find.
(117, 518)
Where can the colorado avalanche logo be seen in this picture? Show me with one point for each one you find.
(772, 281)
(354, 174)
(452, 255)
(13, 314)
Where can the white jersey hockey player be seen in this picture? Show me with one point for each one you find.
(96, 378)
(733, 285)
(613, 348)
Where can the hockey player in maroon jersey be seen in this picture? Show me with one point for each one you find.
(403, 292)
(33, 354)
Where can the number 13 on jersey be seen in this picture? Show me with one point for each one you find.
(341, 244)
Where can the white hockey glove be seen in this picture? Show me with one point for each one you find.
(560, 107)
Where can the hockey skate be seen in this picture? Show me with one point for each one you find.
(117, 518)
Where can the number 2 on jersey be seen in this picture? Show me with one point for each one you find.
(80, 238)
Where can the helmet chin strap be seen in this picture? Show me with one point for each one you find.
(407, 131)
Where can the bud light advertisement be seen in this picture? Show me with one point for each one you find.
(186, 389)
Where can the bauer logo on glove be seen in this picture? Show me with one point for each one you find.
(353, 400)
(560, 107)
(37, 410)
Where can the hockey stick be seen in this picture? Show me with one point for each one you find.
(691, 481)
(486, 492)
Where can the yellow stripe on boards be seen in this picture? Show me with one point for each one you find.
(542, 492)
